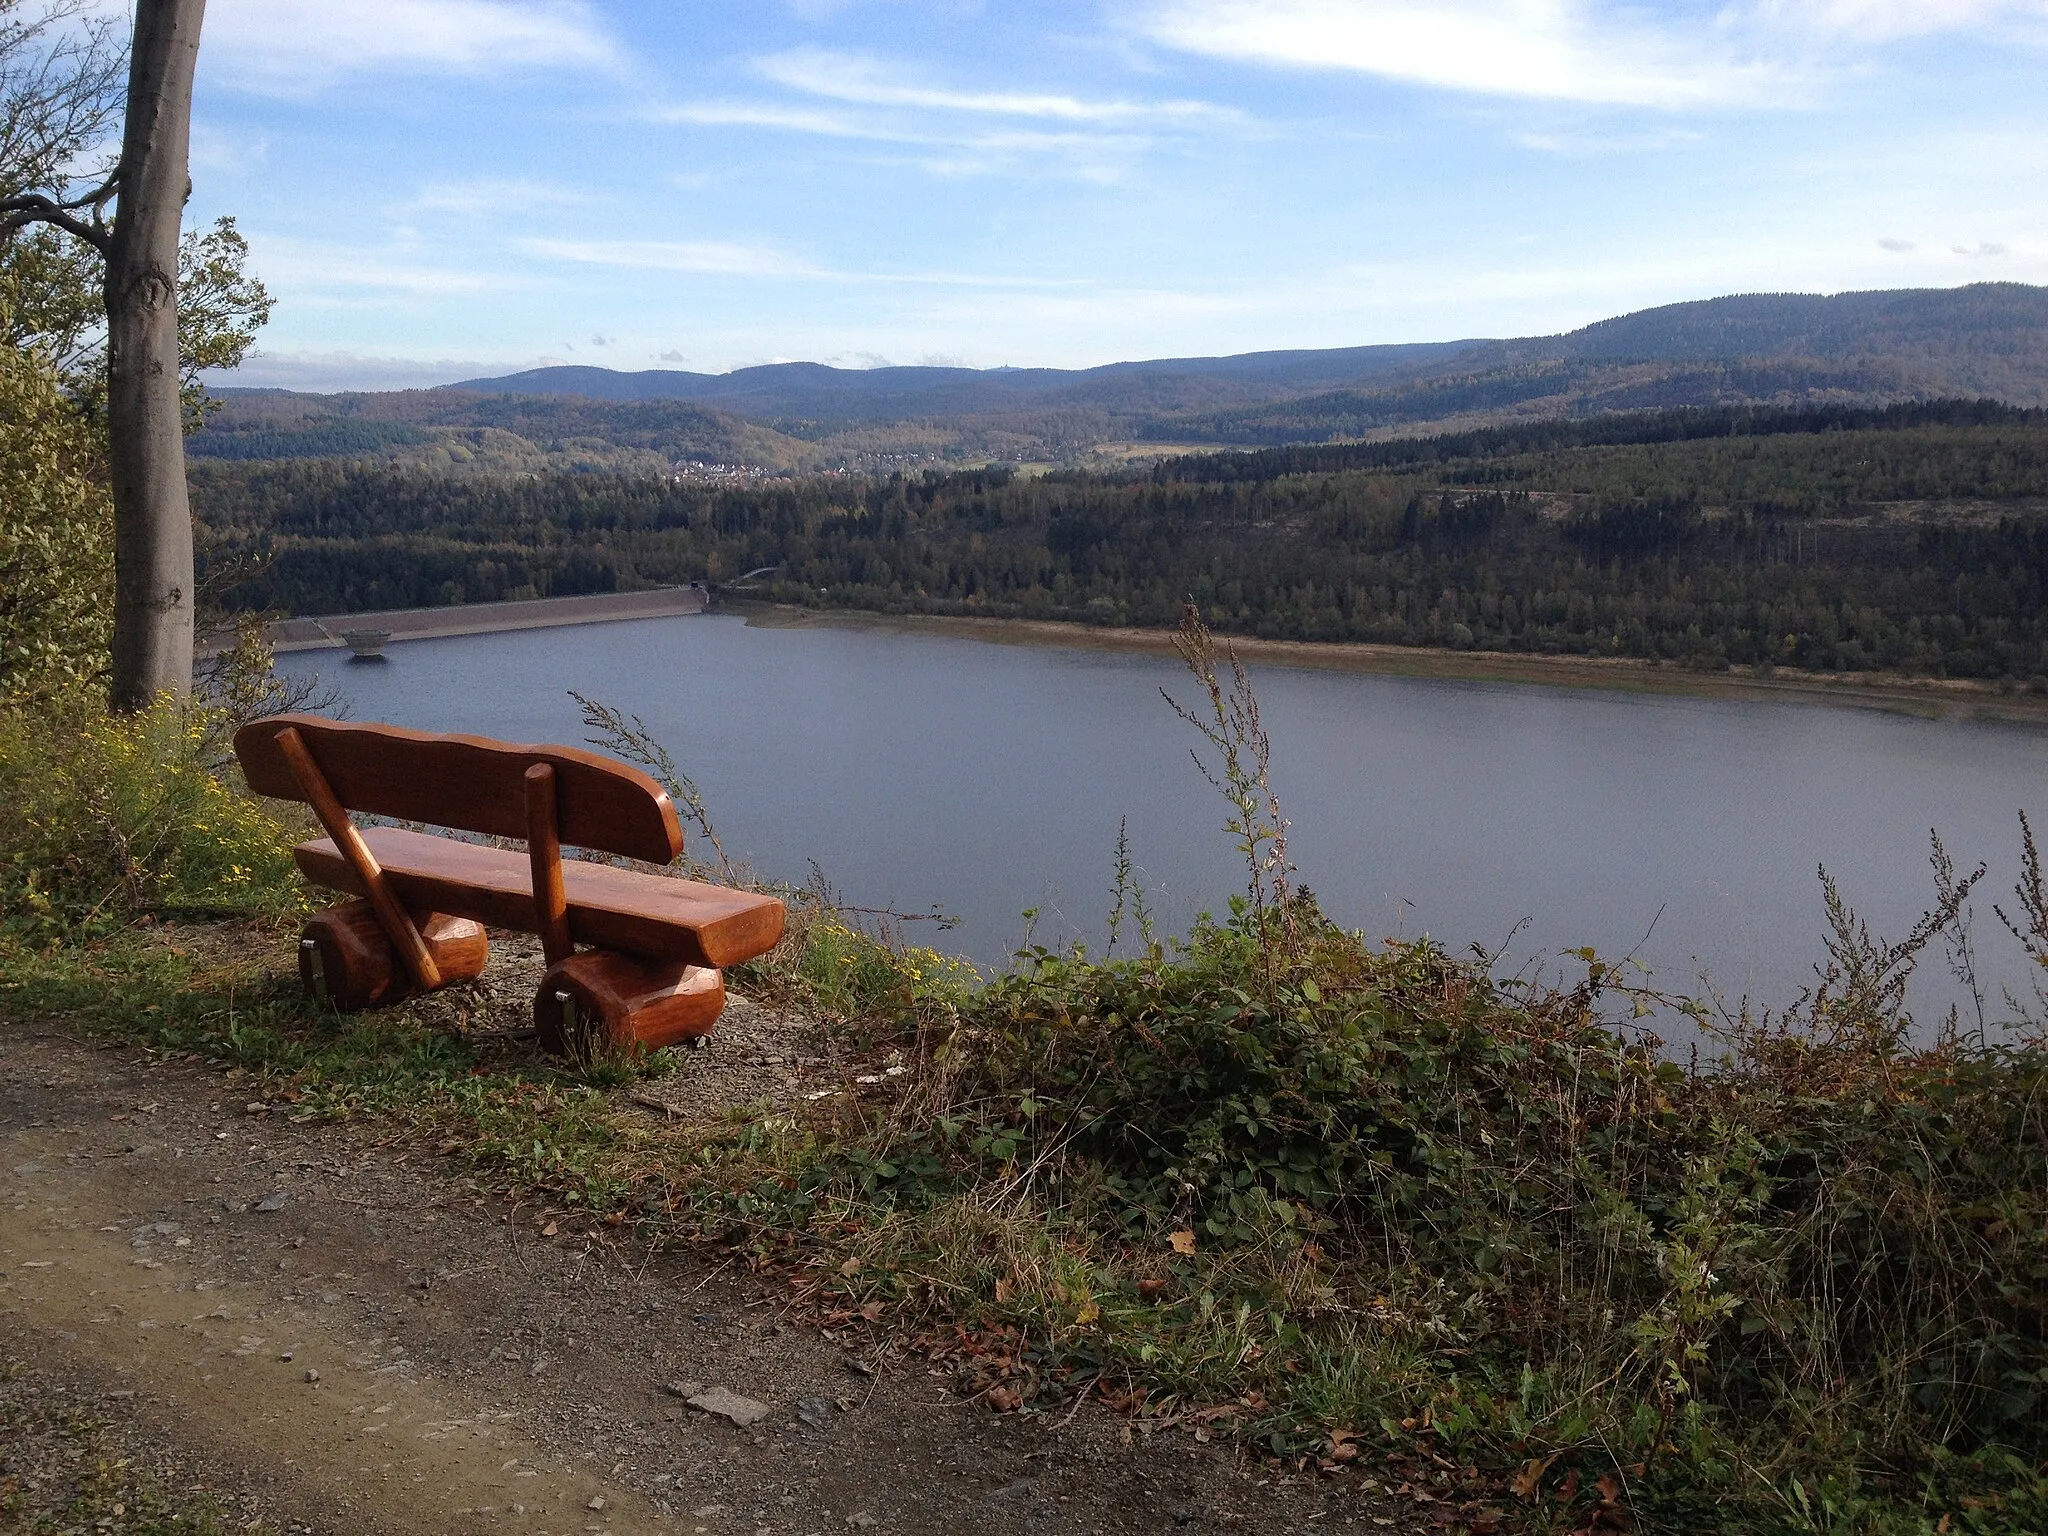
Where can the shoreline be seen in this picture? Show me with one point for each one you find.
(324, 632)
(1929, 698)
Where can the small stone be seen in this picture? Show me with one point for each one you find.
(312, 1378)
(814, 1411)
(122, 1394)
(707, 1511)
(727, 1404)
(863, 1519)
(274, 1201)
(683, 1389)
(596, 1502)
(329, 1298)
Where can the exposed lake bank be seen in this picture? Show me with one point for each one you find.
(327, 631)
(1932, 698)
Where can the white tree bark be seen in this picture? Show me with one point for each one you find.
(153, 576)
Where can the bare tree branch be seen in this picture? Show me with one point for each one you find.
(62, 66)
(33, 208)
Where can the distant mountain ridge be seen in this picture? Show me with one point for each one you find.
(821, 390)
(1987, 340)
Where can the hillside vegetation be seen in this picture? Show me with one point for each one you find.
(452, 431)
(1910, 538)
(1988, 340)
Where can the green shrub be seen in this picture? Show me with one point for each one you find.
(106, 817)
(56, 537)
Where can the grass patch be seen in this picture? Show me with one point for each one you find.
(62, 1471)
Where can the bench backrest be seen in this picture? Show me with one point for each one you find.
(467, 782)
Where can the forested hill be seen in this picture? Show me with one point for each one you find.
(443, 430)
(1907, 538)
(1989, 339)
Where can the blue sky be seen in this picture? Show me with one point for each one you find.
(438, 188)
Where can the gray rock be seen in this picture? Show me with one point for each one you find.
(814, 1411)
(728, 1404)
(274, 1201)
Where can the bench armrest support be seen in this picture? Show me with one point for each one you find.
(544, 849)
(392, 917)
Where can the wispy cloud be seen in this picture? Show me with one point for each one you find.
(944, 149)
(1555, 49)
(1584, 145)
(313, 271)
(756, 114)
(1747, 53)
(869, 82)
(290, 47)
(327, 372)
(1889, 21)
(717, 258)
(712, 257)
(489, 194)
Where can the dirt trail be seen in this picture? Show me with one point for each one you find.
(473, 1374)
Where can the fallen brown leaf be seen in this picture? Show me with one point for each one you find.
(1529, 1481)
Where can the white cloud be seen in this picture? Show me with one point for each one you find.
(1553, 49)
(489, 194)
(1749, 53)
(1887, 21)
(227, 154)
(311, 271)
(866, 82)
(716, 258)
(1580, 145)
(326, 372)
(288, 47)
(751, 114)
(711, 257)
(1091, 155)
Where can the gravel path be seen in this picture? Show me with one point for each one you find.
(342, 1334)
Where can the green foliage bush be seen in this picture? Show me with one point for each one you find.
(56, 538)
(1390, 1196)
(108, 817)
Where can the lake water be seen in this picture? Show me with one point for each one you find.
(920, 770)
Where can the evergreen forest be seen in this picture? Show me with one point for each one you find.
(1909, 538)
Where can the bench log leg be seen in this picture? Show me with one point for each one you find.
(634, 1005)
(346, 962)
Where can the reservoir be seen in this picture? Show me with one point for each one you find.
(923, 771)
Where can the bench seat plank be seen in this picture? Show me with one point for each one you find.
(611, 908)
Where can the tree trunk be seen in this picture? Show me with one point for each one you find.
(153, 579)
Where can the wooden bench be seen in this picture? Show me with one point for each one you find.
(651, 976)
